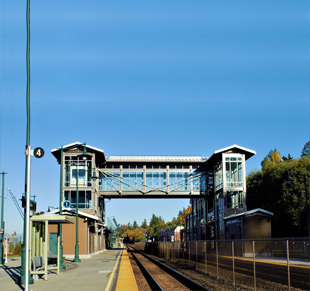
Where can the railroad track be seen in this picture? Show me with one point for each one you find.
(161, 277)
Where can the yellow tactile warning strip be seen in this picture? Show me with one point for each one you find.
(126, 279)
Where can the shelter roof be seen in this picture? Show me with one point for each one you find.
(73, 211)
(251, 213)
(52, 218)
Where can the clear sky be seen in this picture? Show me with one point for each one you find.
(150, 78)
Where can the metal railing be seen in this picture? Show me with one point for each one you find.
(257, 264)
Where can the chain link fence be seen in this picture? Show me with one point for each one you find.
(253, 263)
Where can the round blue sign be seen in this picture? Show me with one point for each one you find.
(66, 204)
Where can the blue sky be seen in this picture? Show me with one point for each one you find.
(150, 78)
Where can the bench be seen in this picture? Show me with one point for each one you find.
(37, 264)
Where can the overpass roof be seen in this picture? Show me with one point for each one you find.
(159, 159)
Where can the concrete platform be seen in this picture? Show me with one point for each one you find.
(90, 274)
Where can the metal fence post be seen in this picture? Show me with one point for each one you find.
(217, 260)
(288, 265)
(196, 251)
(233, 260)
(189, 250)
(254, 270)
(206, 258)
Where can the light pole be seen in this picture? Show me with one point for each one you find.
(77, 245)
(25, 278)
(2, 224)
(76, 255)
(61, 260)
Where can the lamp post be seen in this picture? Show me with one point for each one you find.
(61, 260)
(84, 157)
(25, 278)
(76, 255)
(2, 224)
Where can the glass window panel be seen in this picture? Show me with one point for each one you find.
(88, 200)
(140, 180)
(228, 173)
(203, 183)
(148, 180)
(239, 172)
(234, 199)
(133, 176)
(187, 182)
(67, 195)
(172, 181)
(155, 178)
(126, 181)
(110, 181)
(234, 172)
(73, 199)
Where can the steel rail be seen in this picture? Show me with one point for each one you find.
(154, 285)
(187, 282)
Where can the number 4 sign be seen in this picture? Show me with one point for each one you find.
(38, 153)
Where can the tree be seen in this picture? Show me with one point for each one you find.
(306, 150)
(135, 225)
(272, 158)
(280, 188)
(288, 158)
(155, 224)
(156, 220)
(144, 224)
(183, 213)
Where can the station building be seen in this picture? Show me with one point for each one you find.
(216, 187)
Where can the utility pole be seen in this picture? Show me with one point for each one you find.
(2, 224)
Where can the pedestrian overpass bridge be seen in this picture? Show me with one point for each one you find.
(153, 177)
